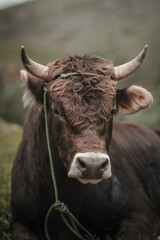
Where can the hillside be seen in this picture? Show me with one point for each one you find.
(107, 28)
(117, 30)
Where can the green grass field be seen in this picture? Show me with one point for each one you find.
(10, 135)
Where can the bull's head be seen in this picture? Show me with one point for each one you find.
(82, 108)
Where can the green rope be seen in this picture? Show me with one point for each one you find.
(49, 146)
(65, 75)
(71, 222)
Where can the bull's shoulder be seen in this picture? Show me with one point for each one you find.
(135, 156)
(126, 133)
(134, 145)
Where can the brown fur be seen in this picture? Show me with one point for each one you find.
(87, 100)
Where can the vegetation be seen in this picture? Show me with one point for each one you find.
(11, 109)
(9, 139)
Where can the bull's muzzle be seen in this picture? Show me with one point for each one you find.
(90, 167)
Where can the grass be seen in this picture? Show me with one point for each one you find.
(9, 139)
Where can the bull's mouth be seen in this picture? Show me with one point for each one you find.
(91, 181)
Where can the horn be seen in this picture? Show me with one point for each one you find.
(34, 68)
(126, 69)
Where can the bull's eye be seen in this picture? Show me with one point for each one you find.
(56, 112)
(113, 111)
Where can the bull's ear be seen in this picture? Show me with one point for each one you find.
(133, 99)
(34, 86)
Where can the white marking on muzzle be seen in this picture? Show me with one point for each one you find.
(76, 171)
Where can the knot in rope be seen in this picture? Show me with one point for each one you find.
(60, 206)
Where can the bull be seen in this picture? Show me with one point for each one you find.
(107, 172)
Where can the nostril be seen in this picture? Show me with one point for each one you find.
(104, 165)
(81, 164)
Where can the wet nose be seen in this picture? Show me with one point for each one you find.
(90, 166)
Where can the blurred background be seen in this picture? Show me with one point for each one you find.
(51, 29)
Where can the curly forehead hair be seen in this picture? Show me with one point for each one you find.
(87, 100)
(81, 64)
